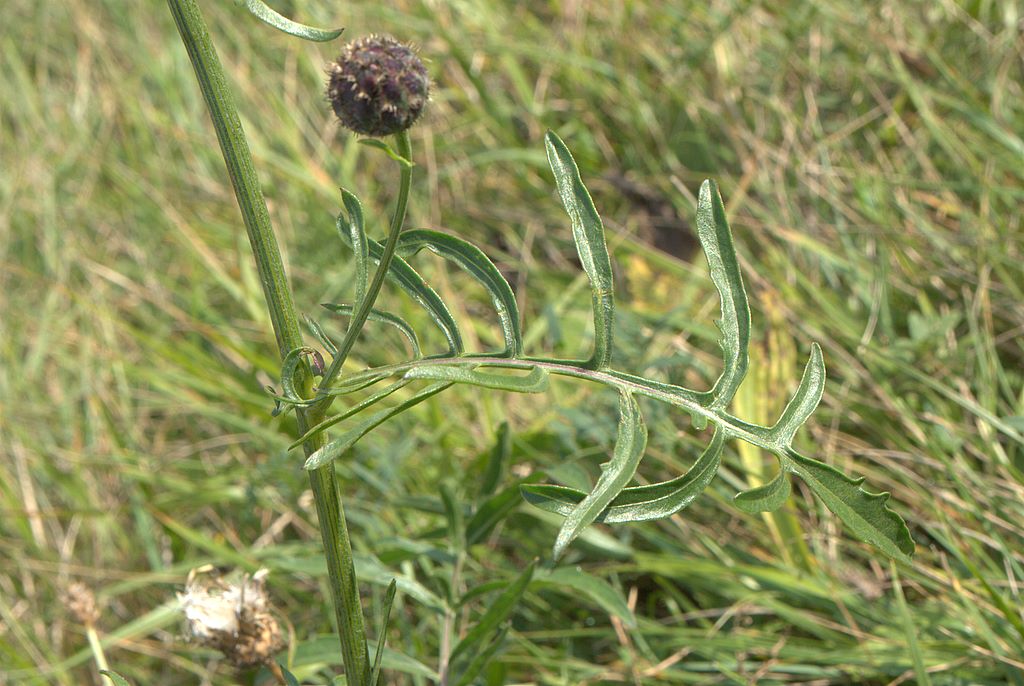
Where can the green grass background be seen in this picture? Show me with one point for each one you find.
(871, 159)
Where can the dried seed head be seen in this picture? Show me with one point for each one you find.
(233, 618)
(378, 86)
(81, 603)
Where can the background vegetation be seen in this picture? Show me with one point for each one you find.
(871, 158)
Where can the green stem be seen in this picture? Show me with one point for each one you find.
(366, 304)
(270, 267)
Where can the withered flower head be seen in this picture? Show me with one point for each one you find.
(81, 603)
(233, 618)
(378, 86)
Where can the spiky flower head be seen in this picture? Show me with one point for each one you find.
(378, 86)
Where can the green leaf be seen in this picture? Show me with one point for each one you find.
(490, 513)
(766, 498)
(598, 590)
(320, 335)
(289, 367)
(352, 384)
(338, 446)
(804, 400)
(261, 11)
(616, 473)
(716, 239)
(369, 569)
(479, 266)
(866, 514)
(638, 503)
(495, 461)
(415, 287)
(383, 317)
(389, 598)
(496, 613)
(588, 233)
(354, 410)
(482, 658)
(323, 649)
(454, 512)
(355, 232)
(536, 381)
(289, 678)
(388, 150)
(116, 678)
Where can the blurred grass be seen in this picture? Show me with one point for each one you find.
(870, 157)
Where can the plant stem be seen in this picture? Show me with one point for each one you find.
(366, 304)
(270, 267)
(98, 656)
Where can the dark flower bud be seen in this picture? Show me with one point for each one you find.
(378, 86)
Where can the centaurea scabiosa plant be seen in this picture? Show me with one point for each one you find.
(378, 88)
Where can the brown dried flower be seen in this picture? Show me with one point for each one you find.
(234, 618)
(81, 603)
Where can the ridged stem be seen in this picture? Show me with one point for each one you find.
(363, 308)
(242, 172)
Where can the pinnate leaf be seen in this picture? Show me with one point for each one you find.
(338, 446)
(479, 266)
(716, 239)
(804, 401)
(352, 228)
(536, 381)
(261, 11)
(630, 444)
(416, 288)
(638, 503)
(383, 317)
(865, 514)
(588, 233)
(765, 498)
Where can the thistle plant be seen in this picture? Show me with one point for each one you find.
(379, 87)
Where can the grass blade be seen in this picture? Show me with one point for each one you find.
(389, 598)
(490, 513)
(482, 658)
(600, 591)
(496, 613)
(115, 678)
(471, 259)
(588, 233)
(495, 462)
